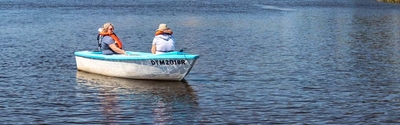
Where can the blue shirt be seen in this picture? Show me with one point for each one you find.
(105, 42)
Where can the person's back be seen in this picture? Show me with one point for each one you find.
(163, 41)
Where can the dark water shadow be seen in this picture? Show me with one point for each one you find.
(389, 1)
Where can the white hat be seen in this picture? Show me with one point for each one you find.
(162, 26)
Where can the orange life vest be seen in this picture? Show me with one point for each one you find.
(114, 37)
(159, 32)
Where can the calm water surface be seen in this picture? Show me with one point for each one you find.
(262, 62)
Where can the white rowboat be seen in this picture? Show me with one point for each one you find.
(172, 66)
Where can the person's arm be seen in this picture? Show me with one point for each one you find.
(153, 48)
(116, 49)
(153, 45)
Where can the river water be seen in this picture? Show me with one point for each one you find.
(261, 62)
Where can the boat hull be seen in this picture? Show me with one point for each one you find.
(173, 66)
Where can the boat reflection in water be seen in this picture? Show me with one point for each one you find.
(127, 100)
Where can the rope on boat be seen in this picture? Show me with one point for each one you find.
(185, 57)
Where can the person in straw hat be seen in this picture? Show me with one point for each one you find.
(163, 41)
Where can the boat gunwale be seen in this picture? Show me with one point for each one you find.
(142, 56)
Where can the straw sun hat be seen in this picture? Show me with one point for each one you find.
(163, 26)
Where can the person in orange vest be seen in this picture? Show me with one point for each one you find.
(110, 43)
(163, 41)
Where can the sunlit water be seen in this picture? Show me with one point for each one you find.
(261, 62)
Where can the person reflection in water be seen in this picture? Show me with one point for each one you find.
(161, 116)
(109, 106)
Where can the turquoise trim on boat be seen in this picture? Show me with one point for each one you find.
(136, 56)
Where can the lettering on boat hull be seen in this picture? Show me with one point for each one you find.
(168, 62)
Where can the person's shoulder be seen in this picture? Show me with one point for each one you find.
(163, 36)
(107, 38)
